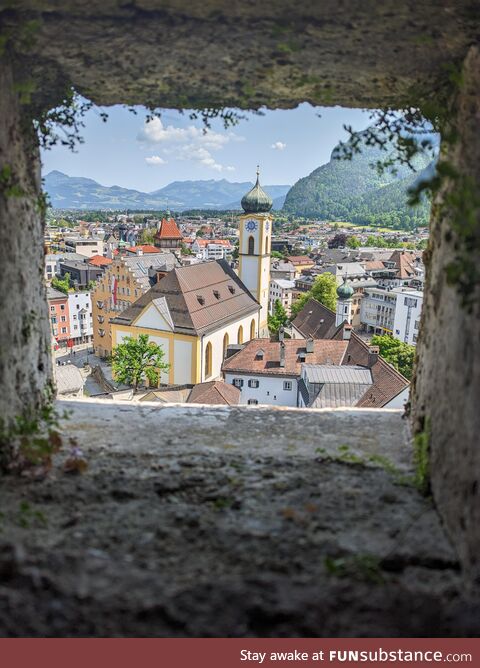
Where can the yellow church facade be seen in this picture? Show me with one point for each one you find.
(195, 312)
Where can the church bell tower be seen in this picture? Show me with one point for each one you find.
(254, 248)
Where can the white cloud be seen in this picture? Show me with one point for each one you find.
(190, 143)
(155, 160)
(278, 146)
(154, 132)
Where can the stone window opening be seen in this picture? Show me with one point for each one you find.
(441, 348)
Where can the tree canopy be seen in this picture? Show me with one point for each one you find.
(324, 290)
(277, 319)
(62, 284)
(353, 242)
(138, 360)
(400, 355)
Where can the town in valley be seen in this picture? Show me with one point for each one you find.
(245, 307)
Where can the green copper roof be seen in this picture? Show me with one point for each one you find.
(344, 291)
(256, 200)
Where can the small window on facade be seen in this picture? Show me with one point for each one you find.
(52, 308)
(62, 307)
(238, 382)
(200, 299)
(287, 384)
(253, 383)
(252, 402)
(251, 245)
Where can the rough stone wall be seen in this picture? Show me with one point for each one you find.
(25, 363)
(279, 53)
(447, 384)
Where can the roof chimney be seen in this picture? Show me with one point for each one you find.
(282, 354)
(373, 352)
(139, 251)
(347, 332)
(309, 346)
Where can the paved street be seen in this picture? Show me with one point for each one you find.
(80, 356)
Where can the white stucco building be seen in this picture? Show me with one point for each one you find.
(281, 289)
(408, 308)
(267, 372)
(80, 313)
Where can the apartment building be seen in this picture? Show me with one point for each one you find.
(124, 281)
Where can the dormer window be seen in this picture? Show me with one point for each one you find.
(260, 355)
(216, 294)
(302, 356)
(200, 299)
(232, 289)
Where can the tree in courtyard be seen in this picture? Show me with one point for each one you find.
(277, 319)
(400, 355)
(147, 236)
(62, 284)
(137, 360)
(324, 290)
(353, 242)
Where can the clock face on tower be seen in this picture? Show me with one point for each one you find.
(251, 225)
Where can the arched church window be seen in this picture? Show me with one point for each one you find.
(266, 244)
(225, 345)
(251, 245)
(240, 335)
(252, 329)
(208, 360)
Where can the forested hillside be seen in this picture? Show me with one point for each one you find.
(352, 190)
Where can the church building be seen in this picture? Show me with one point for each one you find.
(196, 311)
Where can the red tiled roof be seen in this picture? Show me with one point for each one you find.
(248, 360)
(168, 230)
(146, 248)
(214, 392)
(200, 297)
(405, 263)
(373, 264)
(315, 320)
(99, 260)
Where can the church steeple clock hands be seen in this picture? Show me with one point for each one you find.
(254, 248)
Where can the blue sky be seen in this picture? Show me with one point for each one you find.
(126, 151)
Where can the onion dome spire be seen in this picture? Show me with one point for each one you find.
(257, 200)
(344, 291)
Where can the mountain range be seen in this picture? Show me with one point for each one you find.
(354, 191)
(74, 192)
